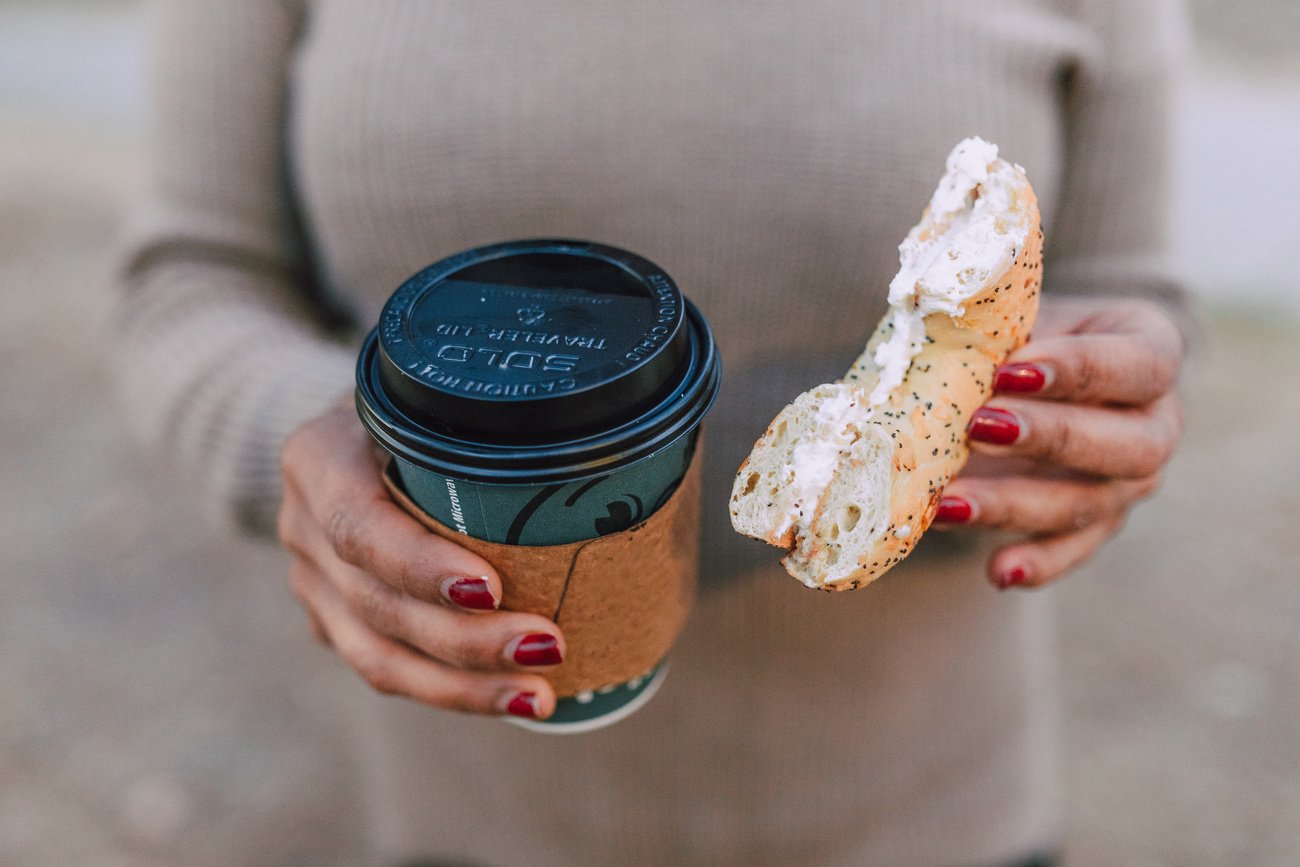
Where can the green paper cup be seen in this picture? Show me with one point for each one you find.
(539, 393)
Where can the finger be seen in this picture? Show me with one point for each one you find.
(317, 629)
(1131, 365)
(1042, 561)
(367, 529)
(1093, 368)
(394, 669)
(1038, 505)
(1121, 443)
(499, 640)
(1078, 314)
(299, 582)
(376, 536)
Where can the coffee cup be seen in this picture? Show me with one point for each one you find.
(541, 401)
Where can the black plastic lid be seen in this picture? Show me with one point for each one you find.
(538, 357)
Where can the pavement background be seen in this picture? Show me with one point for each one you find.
(161, 704)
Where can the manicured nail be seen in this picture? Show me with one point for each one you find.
(953, 510)
(524, 704)
(472, 593)
(1022, 377)
(538, 648)
(996, 426)
(1011, 578)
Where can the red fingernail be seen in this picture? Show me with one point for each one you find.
(953, 510)
(996, 426)
(524, 704)
(1022, 377)
(538, 648)
(1011, 578)
(472, 593)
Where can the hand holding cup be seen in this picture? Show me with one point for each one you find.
(535, 405)
(412, 613)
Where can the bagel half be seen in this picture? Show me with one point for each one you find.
(848, 476)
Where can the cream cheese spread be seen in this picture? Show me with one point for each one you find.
(971, 233)
(813, 461)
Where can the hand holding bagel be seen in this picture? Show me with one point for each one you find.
(850, 474)
(1083, 421)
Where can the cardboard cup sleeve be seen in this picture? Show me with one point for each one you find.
(621, 599)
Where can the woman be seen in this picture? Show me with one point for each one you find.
(307, 156)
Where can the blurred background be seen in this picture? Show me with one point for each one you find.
(153, 703)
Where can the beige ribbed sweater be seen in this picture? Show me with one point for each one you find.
(304, 157)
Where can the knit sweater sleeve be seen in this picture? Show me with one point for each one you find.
(1109, 235)
(219, 349)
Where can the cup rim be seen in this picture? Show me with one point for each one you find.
(561, 460)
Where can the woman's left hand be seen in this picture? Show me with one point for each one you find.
(1083, 421)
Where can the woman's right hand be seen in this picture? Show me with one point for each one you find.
(414, 614)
